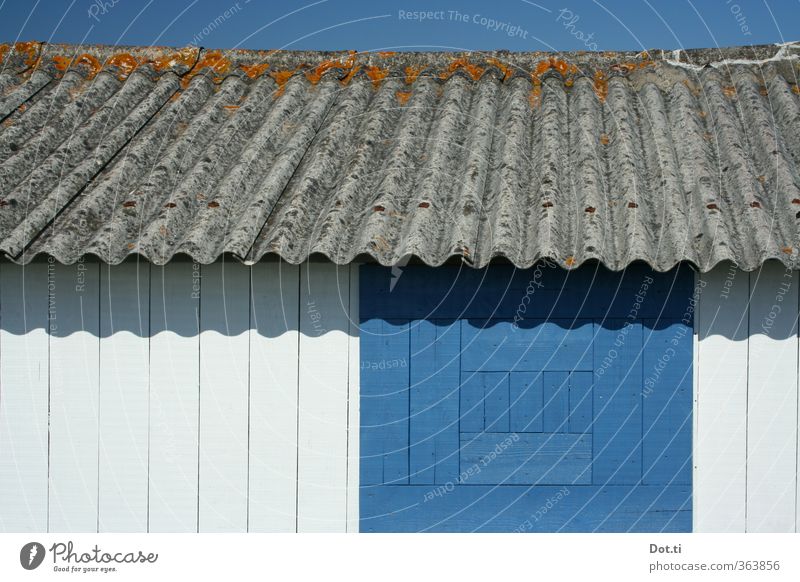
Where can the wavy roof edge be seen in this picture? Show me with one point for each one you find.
(788, 261)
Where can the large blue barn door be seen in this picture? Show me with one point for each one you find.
(539, 400)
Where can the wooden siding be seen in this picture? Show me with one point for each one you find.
(746, 449)
(24, 398)
(189, 397)
(274, 351)
(224, 397)
(71, 337)
(174, 350)
(74, 398)
(124, 397)
(322, 434)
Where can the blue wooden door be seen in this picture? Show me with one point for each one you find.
(538, 400)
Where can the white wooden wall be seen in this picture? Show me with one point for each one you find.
(746, 401)
(180, 398)
(225, 398)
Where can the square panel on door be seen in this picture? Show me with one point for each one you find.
(575, 416)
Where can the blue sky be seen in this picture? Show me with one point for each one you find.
(405, 25)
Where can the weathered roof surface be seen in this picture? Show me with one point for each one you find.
(656, 156)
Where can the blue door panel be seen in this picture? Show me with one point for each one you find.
(580, 402)
(384, 401)
(434, 406)
(532, 344)
(473, 405)
(667, 403)
(555, 416)
(527, 459)
(500, 291)
(617, 389)
(521, 508)
(537, 400)
(526, 394)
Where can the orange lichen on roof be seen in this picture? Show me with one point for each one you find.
(567, 70)
(570, 261)
(402, 96)
(564, 67)
(352, 73)
(729, 91)
(62, 63)
(3, 50)
(473, 70)
(376, 75)
(185, 56)
(31, 51)
(541, 67)
(604, 139)
(535, 96)
(624, 68)
(796, 88)
(505, 69)
(600, 85)
(787, 250)
(412, 73)
(125, 62)
(559, 65)
(91, 62)
(213, 60)
(386, 54)
(316, 73)
(281, 78)
(254, 71)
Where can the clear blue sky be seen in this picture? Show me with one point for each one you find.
(382, 25)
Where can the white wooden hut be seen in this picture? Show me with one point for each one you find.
(244, 291)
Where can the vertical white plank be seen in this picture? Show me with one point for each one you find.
(74, 385)
(174, 396)
(322, 425)
(772, 400)
(224, 355)
(721, 444)
(124, 396)
(23, 397)
(273, 398)
(353, 407)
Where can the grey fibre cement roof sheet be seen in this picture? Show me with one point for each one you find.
(655, 156)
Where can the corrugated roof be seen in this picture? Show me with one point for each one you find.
(654, 156)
